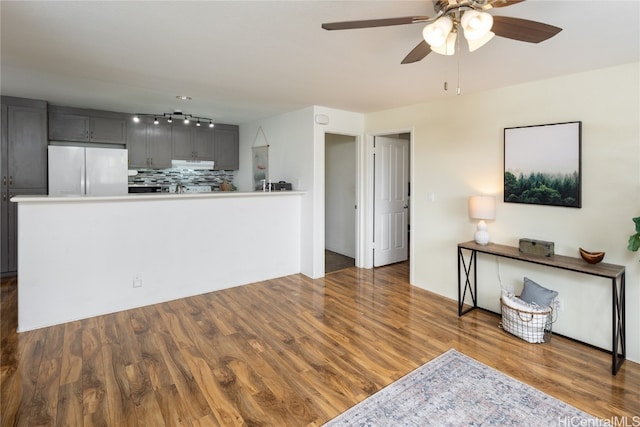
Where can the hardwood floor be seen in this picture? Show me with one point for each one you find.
(334, 261)
(285, 352)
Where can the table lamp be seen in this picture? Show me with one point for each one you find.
(482, 207)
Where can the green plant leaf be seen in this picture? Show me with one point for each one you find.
(634, 242)
(637, 221)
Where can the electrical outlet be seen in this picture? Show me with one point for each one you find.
(558, 305)
(137, 281)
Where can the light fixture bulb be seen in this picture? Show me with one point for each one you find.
(136, 119)
(476, 44)
(211, 124)
(169, 120)
(447, 48)
(476, 24)
(437, 32)
(155, 121)
(198, 122)
(186, 121)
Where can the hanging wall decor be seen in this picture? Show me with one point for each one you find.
(260, 152)
(260, 167)
(542, 164)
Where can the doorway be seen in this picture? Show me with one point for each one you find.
(391, 219)
(340, 201)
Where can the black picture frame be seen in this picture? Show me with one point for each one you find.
(543, 164)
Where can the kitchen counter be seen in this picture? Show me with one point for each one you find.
(154, 196)
(84, 256)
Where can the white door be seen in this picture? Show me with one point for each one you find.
(391, 200)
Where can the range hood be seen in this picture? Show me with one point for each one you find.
(192, 164)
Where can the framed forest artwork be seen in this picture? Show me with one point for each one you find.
(542, 164)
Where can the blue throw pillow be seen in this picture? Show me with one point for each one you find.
(534, 293)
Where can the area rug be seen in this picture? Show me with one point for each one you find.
(456, 390)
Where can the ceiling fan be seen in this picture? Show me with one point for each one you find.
(478, 26)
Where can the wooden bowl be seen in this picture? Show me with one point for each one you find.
(591, 257)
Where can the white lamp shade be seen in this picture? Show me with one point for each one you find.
(476, 44)
(482, 207)
(476, 24)
(448, 48)
(437, 32)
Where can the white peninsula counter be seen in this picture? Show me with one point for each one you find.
(80, 257)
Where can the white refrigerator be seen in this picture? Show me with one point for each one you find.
(79, 171)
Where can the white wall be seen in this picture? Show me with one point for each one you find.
(79, 259)
(340, 194)
(458, 152)
(296, 155)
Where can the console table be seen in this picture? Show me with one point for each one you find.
(616, 273)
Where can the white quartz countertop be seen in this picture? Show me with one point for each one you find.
(151, 196)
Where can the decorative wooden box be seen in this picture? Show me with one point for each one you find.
(536, 247)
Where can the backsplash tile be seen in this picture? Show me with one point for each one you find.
(185, 177)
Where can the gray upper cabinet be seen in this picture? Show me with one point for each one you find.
(159, 146)
(182, 142)
(110, 130)
(149, 145)
(203, 143)
(192, 142)
(72, 124)
(68, 127)
(226, 147)
(23, 166)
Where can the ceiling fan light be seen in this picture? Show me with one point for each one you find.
(449, 47)
(476, 44)
(437, 32)
(476, 24)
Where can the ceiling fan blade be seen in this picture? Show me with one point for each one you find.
(523, 29)
(370, 23)
(504, 3)
(423, 49)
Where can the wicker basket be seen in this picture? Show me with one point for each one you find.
(533, 327)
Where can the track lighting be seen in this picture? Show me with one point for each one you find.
(178, 114)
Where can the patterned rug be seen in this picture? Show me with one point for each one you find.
(456, 390)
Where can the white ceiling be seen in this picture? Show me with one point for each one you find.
(245, 60)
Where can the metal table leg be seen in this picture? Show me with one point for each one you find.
(618, 324)
(462, 291)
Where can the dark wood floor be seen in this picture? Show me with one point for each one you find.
(334, 261)
(286, 352)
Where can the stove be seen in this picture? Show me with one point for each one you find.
(192, 189)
